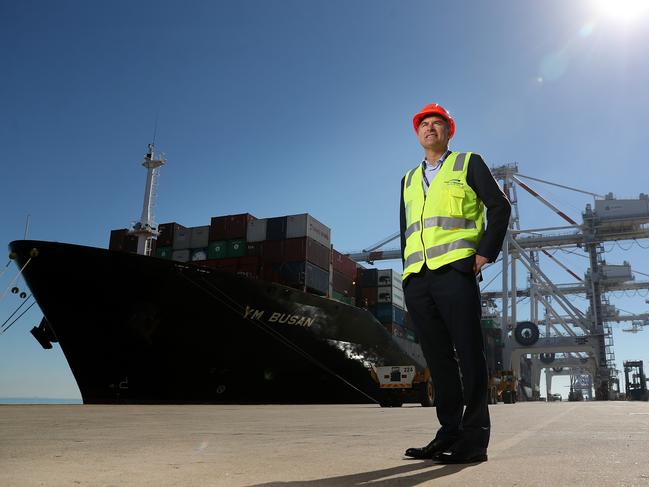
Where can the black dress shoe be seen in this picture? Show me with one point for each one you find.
(434, 448)
(462, 456)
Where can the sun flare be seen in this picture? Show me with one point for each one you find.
(622, 10)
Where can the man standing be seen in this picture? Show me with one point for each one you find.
(444, 245)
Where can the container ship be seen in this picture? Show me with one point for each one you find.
(243, 310)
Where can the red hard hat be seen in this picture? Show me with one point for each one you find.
(434, 109)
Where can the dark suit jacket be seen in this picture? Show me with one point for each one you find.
(498, 210)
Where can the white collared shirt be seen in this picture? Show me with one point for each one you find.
(431, 170)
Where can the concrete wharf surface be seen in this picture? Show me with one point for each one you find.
(594, 443)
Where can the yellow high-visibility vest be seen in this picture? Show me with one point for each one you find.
(445, 224)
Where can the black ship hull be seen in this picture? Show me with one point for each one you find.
(138, 329)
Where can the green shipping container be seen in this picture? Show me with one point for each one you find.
(341, 297)
(236, 248)
(217, 250)
(164, 252)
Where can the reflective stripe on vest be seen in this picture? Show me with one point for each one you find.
(446, 223)
(438, 250)
(414, 258)
(415, 227)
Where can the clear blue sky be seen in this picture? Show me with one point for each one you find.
(278, 107)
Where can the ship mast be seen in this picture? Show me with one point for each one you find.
(146, 229)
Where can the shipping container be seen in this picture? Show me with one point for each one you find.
(369, 296)
(122, 241)
(182, 238)
(387, 313)
(306, 248)
(166, 232)
(380, 277)
(276, 228)
(248, 266)
(198, 254)
(224, 265)
(217, 249)
(304, 225)
(342, 298)
(236, 248)
(130, 244)
(230, 227)
(249, 260)
(117, 237)
(257, 230)
(254, 248)
(389, 277)
(199, 237)
(164, 252)
(217, 228)
(181, 255)
(368, 277)
(342, 284)
(343, 264)
(390, 294)
(236, 226)
(303, 275)
(273, 251)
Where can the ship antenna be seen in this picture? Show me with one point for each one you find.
(146, 229)
(27, 227)
(155, 127)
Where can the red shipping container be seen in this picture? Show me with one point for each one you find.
(249, 266)
(230, 227)
(217, 228)
(305, 248)
(343, 264)
(273, 251)
(225, 265)
(268, 273)
(254, 248)
(167, 232)
(249, 261)
(343, 284)
(236, 226)
(117, 237)
(370, 294)
(130, 243)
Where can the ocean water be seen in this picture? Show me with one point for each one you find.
(38, 400)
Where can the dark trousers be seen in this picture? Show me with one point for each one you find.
(445, 309)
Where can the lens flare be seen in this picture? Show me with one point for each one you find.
(622, 10)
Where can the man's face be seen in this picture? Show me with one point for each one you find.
(433, 132)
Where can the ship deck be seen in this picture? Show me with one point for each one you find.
(594, 443)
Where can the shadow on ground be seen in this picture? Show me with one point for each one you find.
(413, 474)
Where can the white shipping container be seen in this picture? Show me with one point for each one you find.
(257, 230)
(389, 277)
(199, 237)
(181, 255)
(182, 238)
(391, 294)
(304, 225)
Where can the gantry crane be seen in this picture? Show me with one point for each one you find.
(566, 339)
